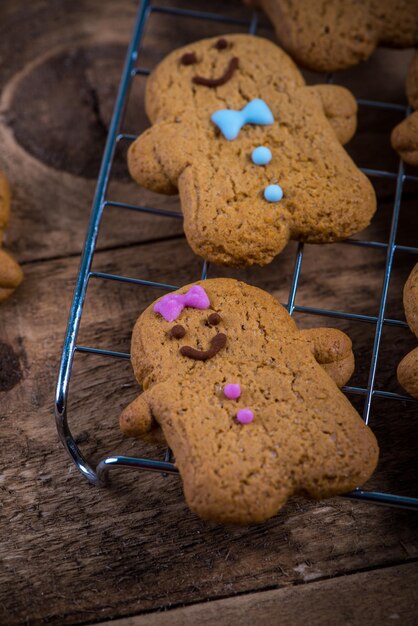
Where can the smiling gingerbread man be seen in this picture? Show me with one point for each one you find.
(254, 153)
(247, 402)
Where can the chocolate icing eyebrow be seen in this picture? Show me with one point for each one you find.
(216, 343)
(188, 58)
(216, 82)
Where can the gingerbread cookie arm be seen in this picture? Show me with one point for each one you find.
(332, 350)
(157, 158)
(136, 420)
(412, 82)
(404, 137)
(340, 108)
(323, 36)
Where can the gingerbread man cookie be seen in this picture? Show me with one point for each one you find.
(404, 137)
(330, 35)
(254, 153)
(10, 273)
(247, 402)
(408, 367)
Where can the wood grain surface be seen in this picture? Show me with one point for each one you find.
(325, 603)
(71, 553)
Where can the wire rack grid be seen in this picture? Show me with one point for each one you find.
(99, 475)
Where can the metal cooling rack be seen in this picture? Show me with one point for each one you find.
(99, 475)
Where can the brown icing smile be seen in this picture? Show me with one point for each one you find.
(216, 343)
(216, 82)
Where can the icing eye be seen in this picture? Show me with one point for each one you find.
(189, 58)
(221, 44)
(178, 331)
(214, 319)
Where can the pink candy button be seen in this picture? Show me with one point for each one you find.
(245, 416)
(232, 391)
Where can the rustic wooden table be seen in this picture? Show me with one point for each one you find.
(75, 554)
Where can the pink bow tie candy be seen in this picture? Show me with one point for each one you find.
(171, 305)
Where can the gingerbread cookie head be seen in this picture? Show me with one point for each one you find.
(246, 401)
(254, 154)
(222, 72)
(201, 327)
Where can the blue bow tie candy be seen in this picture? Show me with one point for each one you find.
(230, 122)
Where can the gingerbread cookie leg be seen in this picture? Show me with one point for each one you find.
(205, 239)
(340, 108)
(332, 349)
(323, 36)
(137, 420)
(407, 373)
(404, 139)
(10, 275)
(410, 300)
(408, 368)
(5, 293)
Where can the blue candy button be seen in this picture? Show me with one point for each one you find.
(273, 193)
(261, 155)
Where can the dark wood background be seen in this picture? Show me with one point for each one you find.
(74, 554)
